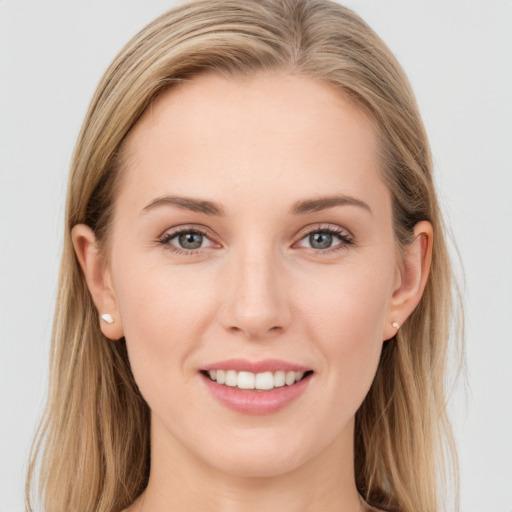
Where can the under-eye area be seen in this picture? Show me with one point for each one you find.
(263, 381)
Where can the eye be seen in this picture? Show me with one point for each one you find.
(189, 240)
(321, 240)
(327, 239)
(185, 240)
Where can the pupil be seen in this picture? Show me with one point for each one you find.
(320, 240)
(191, 240)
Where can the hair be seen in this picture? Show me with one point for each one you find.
(95, 430)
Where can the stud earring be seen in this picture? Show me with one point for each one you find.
(106, 317)
(396, 325)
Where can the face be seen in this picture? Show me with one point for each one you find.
(252, 242)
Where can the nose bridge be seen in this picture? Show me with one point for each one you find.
(256, 303)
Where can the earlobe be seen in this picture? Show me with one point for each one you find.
(413, 275)
(98, 278)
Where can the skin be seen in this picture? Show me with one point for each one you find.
(256, 288)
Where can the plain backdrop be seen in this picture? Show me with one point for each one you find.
(458, 56)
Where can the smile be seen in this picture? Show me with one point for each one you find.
(263, 381)
(256, 388)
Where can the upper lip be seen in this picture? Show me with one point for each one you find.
(265, 365)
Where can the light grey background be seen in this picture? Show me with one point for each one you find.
(458, 55)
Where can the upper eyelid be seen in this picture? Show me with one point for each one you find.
(305, 230)
(186, 228)
(323, 227)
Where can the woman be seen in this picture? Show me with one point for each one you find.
(255, 292)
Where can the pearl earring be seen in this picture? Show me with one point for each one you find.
(106, 317)
(396, 325)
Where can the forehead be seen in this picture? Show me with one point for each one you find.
(269, 133)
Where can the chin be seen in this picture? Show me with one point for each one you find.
(262, 455)
(270, 466)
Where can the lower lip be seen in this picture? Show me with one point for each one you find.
(253, 401)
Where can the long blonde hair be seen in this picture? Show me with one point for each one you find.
(93, 441)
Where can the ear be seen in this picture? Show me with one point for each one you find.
(98, 278)
(412, 277)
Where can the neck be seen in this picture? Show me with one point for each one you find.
(179, 480)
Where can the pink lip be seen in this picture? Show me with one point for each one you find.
(254, 401)
(266, 365)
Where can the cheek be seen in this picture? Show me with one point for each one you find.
(346, 319)
(163, 312)
(350, 304)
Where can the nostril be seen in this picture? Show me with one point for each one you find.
(255, 332)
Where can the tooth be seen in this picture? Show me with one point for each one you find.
(231, 378)
(246, 380)
(261, 381)
(264, 380)
(290, 378)
(221, 376)
(279, 379)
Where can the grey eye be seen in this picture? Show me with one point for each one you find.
(320, 240)
(190, 240)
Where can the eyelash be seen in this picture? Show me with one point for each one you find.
(342, 234)
(167, 237)
(345, 239)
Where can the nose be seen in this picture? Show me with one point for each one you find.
(255, 295)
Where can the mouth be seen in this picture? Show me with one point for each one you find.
(262, 381)
(256, 387)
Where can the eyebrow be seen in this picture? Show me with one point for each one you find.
(322, 203)
(301, 207)
(187, 203)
